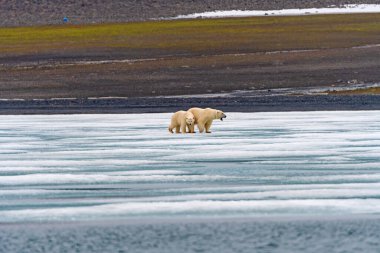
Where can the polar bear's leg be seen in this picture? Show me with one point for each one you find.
(201, 127)
(172, 124)
(191, 129)
(171, 128)
(177, 129)
(183, 127)
(208, 126)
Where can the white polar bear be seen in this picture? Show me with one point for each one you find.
(204, 118)
(181, 120)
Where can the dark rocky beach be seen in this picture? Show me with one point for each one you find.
(162, 87)
(172, 104)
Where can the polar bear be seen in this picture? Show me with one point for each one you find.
(181, 120)
(204, 118)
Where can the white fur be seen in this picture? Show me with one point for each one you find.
(182, 120)
(204, 118)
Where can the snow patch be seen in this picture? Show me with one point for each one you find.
(345, 9)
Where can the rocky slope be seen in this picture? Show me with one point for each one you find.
(43, 12)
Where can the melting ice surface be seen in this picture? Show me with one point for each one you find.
(93, 167)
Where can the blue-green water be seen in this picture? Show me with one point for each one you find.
(271, 166)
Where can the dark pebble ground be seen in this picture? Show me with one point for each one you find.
(172, 104)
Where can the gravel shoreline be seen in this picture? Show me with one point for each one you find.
(170, 104)
(47, 12)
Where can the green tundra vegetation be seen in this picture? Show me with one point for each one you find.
(372, 90)
(252, 34)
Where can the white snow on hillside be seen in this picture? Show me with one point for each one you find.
(345, 9)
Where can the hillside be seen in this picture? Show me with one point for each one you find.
(42, 12)
(188, 56)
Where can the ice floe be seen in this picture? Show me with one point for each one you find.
(79, 167)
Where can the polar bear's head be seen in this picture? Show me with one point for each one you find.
(220, 115)
(189, 117)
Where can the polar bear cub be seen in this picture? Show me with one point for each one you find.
(180, 120)
(204, 118)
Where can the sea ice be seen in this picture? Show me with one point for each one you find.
(79, 167)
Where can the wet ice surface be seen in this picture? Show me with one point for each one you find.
(281, 236)
(290, 176)
(85, 167)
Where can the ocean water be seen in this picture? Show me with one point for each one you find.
(299, 174)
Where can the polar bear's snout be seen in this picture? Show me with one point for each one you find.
(219, 114)
(190, 121)
(222, 116)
